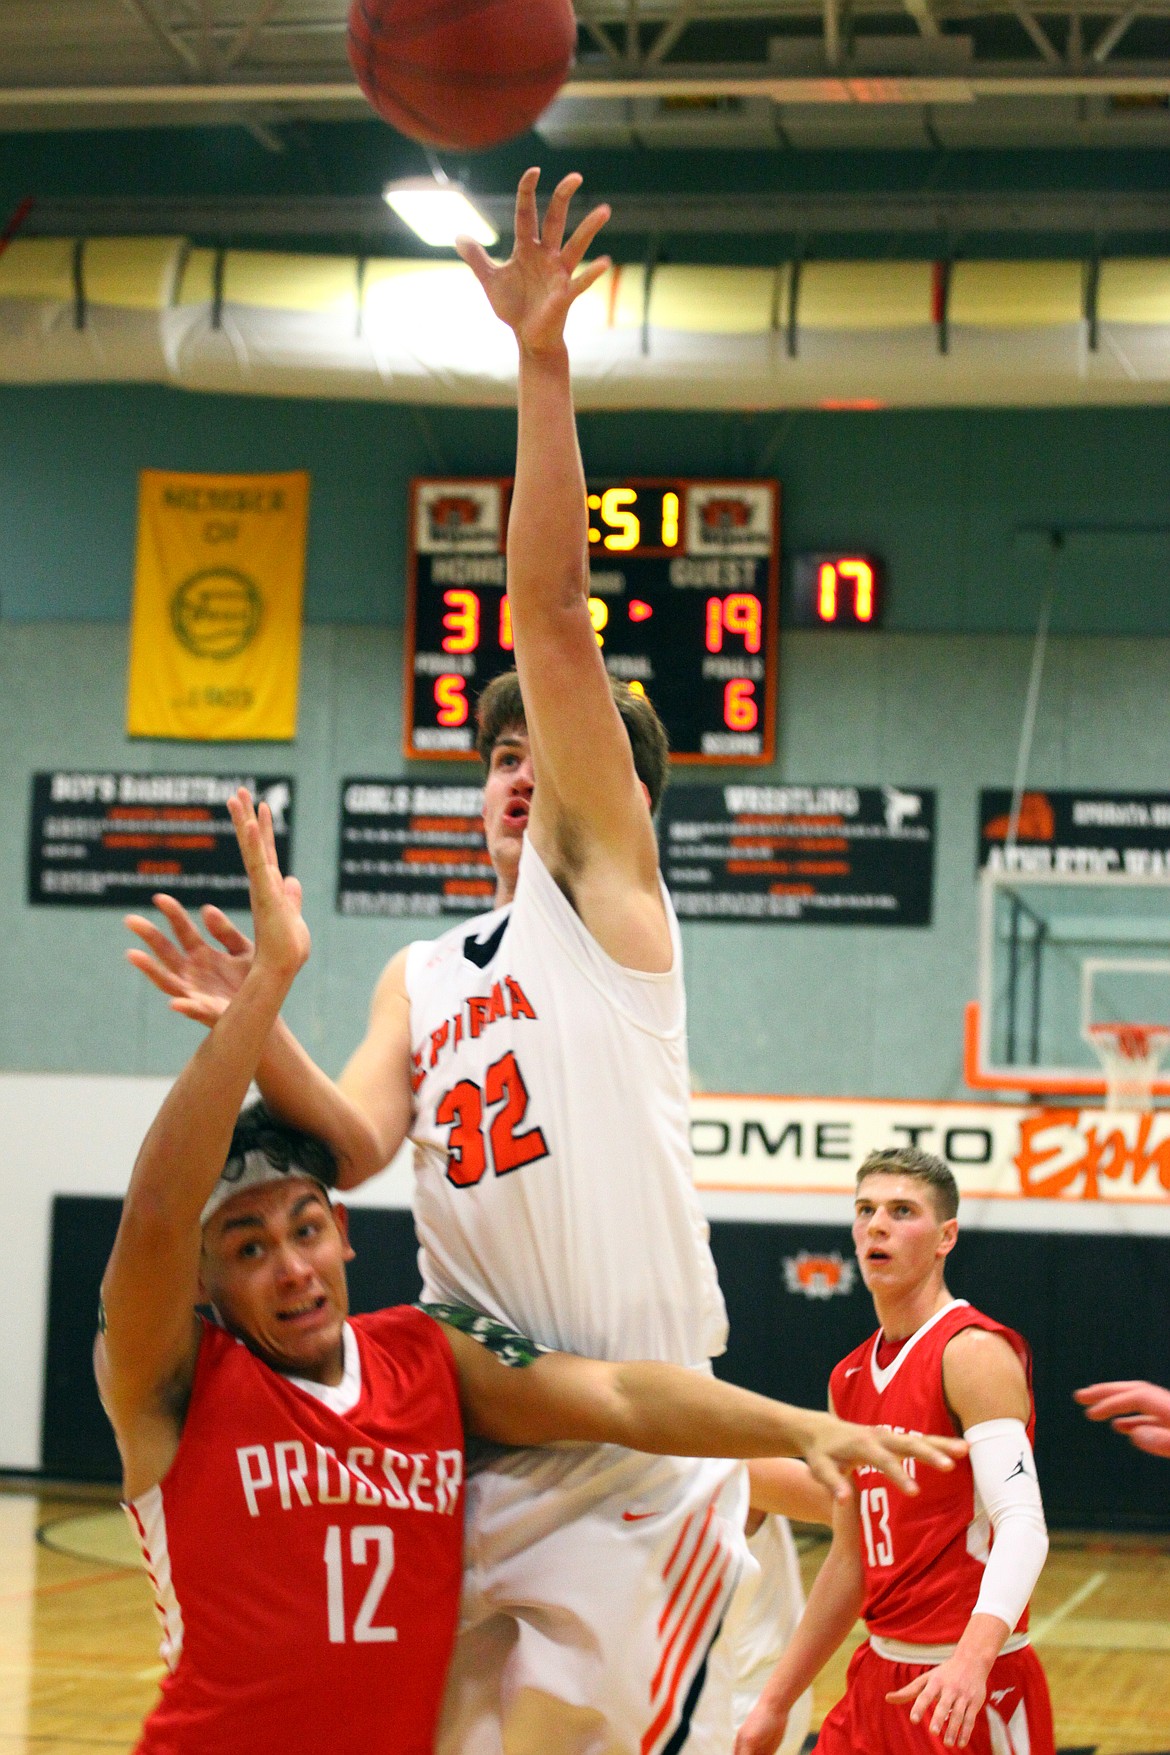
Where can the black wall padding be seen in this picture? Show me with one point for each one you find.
(1091, 1307)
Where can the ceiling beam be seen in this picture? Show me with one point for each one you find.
(1009, 79)
(670, 33)
(923, 17)
(248, 33)
(910, 214)
(832, 29)
(1037, 33)
(1112, 35)
(145, 12)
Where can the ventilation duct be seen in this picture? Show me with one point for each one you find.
(902, 334)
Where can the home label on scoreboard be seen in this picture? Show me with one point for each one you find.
(684, 593)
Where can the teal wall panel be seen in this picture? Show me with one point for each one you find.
(847, 1010)
(956, 501)
(953, 501)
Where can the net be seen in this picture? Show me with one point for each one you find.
(1130, 1055)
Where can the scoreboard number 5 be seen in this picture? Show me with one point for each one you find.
(875, 1524)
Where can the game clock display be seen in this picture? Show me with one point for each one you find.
(683, 597)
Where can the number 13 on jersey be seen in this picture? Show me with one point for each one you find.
(875, 1525)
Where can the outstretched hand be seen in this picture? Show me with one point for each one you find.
(947, 1698)
(532, 291)
(1140, 1410)
(282, 938)
(837, 1446)
(198, 975)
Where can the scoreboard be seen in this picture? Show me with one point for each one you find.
(683, 597)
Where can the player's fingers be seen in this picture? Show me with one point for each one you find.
(1152, 1438)
(577, 248)
(1094, 1391)
(179, 921)
(967, 1724)
(940, 1718)
(199, 1010)
(155, 973)
(225, 931)
(476, 258)
(157, 942)
(292, 889)
(889, 1462)
(589, 276)
(903, 1696)
(557, 212)
(267, 835)
(1123, 1403)
(527, 229)
(829, 1475)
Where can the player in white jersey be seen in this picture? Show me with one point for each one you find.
(538, 1058)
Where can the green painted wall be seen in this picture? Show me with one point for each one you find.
(948, 499)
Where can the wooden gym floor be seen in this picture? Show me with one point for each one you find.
(79, 1646)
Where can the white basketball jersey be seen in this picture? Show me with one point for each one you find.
(553, 1185)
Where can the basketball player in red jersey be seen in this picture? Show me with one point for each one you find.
(537, 1058)
(943, 1581)
(295, 1479)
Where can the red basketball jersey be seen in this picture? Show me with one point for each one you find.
(924, 1556)
(305, 1550)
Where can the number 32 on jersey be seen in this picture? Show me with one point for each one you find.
(473, 1134)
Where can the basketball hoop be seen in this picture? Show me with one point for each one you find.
(1130, 1055)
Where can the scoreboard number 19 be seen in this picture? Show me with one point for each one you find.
(684, 601)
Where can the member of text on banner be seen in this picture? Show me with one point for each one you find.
(215, 639)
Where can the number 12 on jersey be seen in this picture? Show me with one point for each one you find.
(875, 1524)
(362, 1537)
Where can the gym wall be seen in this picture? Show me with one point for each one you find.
(952, 501)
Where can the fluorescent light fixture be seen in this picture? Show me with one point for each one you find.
(438, 212)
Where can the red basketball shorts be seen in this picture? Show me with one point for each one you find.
(1016, 1717)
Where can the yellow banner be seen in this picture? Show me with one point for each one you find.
(215, 636)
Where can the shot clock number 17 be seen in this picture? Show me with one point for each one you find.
(684, 595)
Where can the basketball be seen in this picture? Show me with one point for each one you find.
(461, 73)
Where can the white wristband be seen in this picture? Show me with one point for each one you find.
(1005, 1480)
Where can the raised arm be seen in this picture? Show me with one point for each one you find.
(590, 821)
(364, 1115)
(145, 1354)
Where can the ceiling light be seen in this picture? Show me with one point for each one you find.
(438, 212)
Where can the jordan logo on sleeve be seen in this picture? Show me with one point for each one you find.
(1018, 1470)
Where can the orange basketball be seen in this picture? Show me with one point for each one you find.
(461, 73)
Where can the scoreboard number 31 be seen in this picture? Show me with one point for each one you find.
(684, 596)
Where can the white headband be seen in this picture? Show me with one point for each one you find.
(253, 1170)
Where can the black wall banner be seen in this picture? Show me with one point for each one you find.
(110, 840)
(407, 849)
(796, 1307)
(821, 855)
(1091, 832)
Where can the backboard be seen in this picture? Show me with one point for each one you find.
(1058, 954)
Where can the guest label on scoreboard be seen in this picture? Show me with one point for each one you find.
(817, 855)
(683, 599)
(407, 849)
(110, 840)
